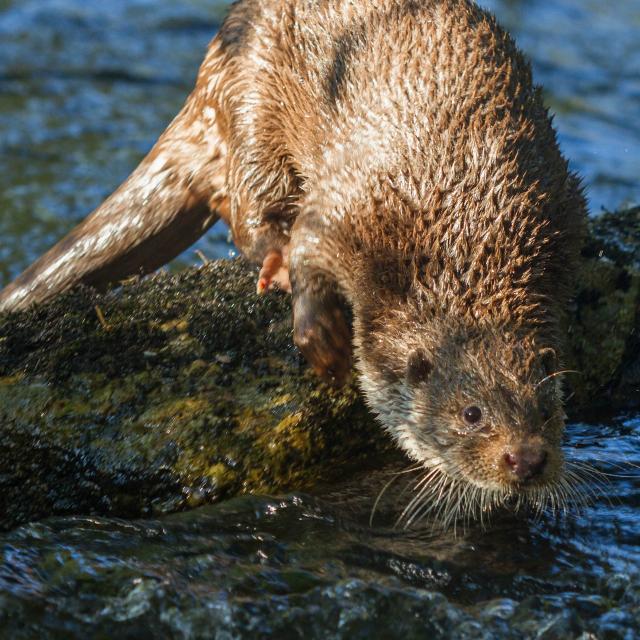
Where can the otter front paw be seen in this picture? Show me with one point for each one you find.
(322, 334)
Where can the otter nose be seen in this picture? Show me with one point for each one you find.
(526, 462)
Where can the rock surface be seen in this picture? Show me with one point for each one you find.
(183, 389)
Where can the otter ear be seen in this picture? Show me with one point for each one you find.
(549, 360)
(418, 366)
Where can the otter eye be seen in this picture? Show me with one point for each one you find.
(472, 414)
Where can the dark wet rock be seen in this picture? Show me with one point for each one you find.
(178, 390)
(604, 327)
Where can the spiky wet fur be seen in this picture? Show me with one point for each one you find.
(451, 225)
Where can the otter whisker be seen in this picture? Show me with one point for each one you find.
(561, 496)
(418, 467)
(460, 506)
(377, 500)
(547, 421)
(449, 482)
(543, 498)
(593, 487)
(575, 494)
(487, 499)
(431, 473)
(467, 505)
(414, 468)
(554, 500)
(579, 499)
(555, 374)
(585, 483)
(435, 511)
(605, 475)
(451, 502)
(623, 476)
(428, 500)
(581, 492)
(536, 498)
(463, 492)
(477, 506)
(495, 499)
(531, 499)
(426, 503)
(477, 497)
(451, 505)
(448, 513)
(620, 465)
(424, 490)
(446, 504)
(408, 510)
(586, 473)
(483, 505)
(571, 492)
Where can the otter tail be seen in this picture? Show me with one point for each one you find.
(175, 194)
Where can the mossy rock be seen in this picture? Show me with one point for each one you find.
(180, 389)
(164, 394)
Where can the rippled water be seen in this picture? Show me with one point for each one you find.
(301, 566)
(85, 88)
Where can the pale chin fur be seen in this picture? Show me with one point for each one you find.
(392, 403)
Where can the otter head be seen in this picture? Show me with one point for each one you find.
(481, 408)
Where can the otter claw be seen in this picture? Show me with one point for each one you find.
(263, 286)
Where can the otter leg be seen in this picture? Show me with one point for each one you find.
(263, 237)
(321, 332)
(266, 244)
(320, 326)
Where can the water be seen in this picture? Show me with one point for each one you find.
(85, 88)
(585, 54)
(302, 566)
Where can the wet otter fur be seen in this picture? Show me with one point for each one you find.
(392, 157)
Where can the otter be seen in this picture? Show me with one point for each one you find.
(389, 161)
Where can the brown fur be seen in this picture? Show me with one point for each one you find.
(400, 151)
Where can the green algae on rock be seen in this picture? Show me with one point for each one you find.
(166, 393)
(177, 390)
